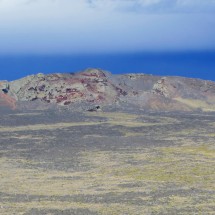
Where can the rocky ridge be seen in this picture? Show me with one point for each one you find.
(94, 89)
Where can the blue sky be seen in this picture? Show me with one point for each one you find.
(86, 26)
(89, 27)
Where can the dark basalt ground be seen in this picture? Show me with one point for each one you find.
(130, 162)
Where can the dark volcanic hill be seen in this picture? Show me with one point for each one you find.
(93, 89)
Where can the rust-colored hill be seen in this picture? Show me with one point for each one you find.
(93, 89)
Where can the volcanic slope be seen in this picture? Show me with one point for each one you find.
(93, 89)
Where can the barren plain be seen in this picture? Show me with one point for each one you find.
(130, 162)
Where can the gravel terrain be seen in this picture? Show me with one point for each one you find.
(131, 162)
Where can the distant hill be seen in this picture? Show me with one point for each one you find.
(94, 89)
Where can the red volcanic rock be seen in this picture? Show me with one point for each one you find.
(7, 101)
(61, 98)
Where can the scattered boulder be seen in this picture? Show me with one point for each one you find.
(95, 109)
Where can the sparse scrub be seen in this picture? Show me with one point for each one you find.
(121, 164)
